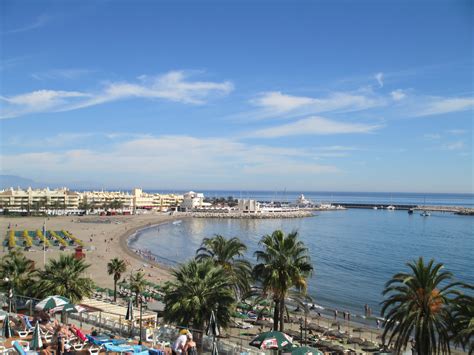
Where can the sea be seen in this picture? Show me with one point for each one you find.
(354, 252)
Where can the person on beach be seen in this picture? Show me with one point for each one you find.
(366, 309)
(180, 342)
(344, 315)
(335, 314)
(190, 347)
(378, 324)
(45, 350)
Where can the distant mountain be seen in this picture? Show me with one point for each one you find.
(7, 181)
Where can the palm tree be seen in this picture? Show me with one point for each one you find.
(65, 277)
(137, 284)
(116, 267)
(284, 265)
(462, 320)
(199, 288)
(418, 304)
(19, 271)
(228, 253)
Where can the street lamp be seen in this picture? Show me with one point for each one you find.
(10, 294)
(140, 299)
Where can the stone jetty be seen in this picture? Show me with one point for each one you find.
(261, 215)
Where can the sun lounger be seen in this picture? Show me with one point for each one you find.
(101, 340)
(23, 348)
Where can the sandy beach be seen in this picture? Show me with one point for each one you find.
(105, 237)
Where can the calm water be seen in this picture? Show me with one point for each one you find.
(409, 198)
(354, 252)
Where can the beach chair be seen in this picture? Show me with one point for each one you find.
(93, 350)
(23, 348)
(4, 350)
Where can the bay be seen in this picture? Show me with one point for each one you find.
(354, 252)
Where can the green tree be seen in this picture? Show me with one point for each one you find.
(462, 320)
(417, 304)
(65, 277)
(228, 253)
(283, 265)
(199, 288)
(20, 272)
(137, 284)
(116, 267)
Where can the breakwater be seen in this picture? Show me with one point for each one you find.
(262, 215)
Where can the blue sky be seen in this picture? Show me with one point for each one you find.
(302, 95)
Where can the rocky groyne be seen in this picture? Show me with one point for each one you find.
(263, 215)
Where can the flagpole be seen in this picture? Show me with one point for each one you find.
(44, 243)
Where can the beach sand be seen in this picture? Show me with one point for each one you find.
(109, 239)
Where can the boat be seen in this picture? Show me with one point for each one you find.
(375, 208)
(177, 222)
(391, 208)
(425, 214)
(410, 211)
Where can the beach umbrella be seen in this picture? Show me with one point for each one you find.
(129, 315)
(70, 308)
(305, 350)
(36, 342)
(51, 302)
(7, 330)
(272, 340)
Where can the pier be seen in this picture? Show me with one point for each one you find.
(448, 209)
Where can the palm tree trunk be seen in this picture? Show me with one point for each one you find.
(282, 314)
(276, 314)
(115, 290)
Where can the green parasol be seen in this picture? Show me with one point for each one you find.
(272, 340)
(305, 350)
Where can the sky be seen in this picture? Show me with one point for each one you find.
(245, 95)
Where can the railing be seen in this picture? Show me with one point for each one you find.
(115, 324)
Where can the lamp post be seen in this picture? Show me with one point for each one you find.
(141, 307)
(10, 294)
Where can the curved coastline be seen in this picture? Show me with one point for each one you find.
(125, 236)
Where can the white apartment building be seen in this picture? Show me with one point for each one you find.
(192, 200)
(39, 199)
(102, 199)
(161, 202)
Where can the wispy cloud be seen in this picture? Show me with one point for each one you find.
(440, 105)
(224, 158)
(398, 95)
(68, 74)
(275, 103)
(40, 21)
(457, 131)
(379, 78)
(432, 136)
(459, 145)
(314, 126)
(172, 86)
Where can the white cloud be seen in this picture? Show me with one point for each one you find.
(172, 86)
(398, 95)
(440, 105)
(454, 146)
(314, 126)
(275, 103)
(379, 78)
(433, 136)
(278, 102)
(171, 158)
(457, 131)
(40, 21)
(68, 74)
